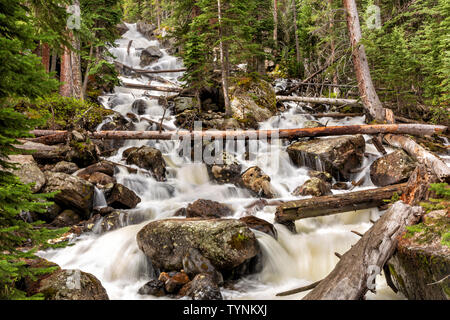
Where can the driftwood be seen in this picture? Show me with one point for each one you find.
(411, 129)
(328, 205)
(419, 154)
(151, 88)
(331, 101)
(355, 271)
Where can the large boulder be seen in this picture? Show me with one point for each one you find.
(153, 288)
(393, 168)
(420, 267)
(226, 243)
(207, 209)
(101, 179)
(71, 285)
(122, 28)
(66, 219)
(65, 167)
(313, 187)
(253, 100)
(76, 193)
(183, 103)
(337, 156)
(139, 106)
(149, 158)
(104, 167)
(150, 55)
(147, 30)
(255, 180)
(28, 171)
(120, 197)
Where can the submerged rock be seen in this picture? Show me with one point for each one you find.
(28, 171)
(313, 187)
(148, 158)
(71, 285)
(139, 106)
(393, 168)
(420, 267)
(337, 156)
(76, 193)
(153, 288)
(255, 180)
(226, 243)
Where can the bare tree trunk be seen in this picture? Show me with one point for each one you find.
(297, 43)
(334, 102)
(65, 74)
(275, 22)
(366, 89)
(336, 90)
(228, 110)
(158, 14)
(46, 56)
(86, 74)
(54, 61)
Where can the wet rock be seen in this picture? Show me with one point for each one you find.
(260, 225)
(139, 106)
(313, 124)
(71, 285)
(253, 100)
(207, 209)
(393, 168)
(149, 158)
(324, 176)
(150, 55)
(173, 284)
(341, 186)
(103, 211)
(122, 28)
(66, 219)
(65, 167)
(255, 180)
(28, 171)
(224, 169)
(116, 122)
(121, 197)
(202, 287)
(313, 187)
(183, 103)
(104, 167)
(421, 264)
(99, 178)
(153, 288)
(76, 193)
(337, 156)
(51, 213)
(147, 30)
(195, 263)
(227, 243)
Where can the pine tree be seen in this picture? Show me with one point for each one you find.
(22, 76)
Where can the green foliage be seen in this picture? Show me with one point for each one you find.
(442, 191)
(62, 113)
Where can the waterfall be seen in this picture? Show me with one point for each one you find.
(291, 261)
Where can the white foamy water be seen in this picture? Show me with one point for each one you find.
(291, 261)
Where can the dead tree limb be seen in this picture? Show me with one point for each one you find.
(354, 273)
(121, 65)
(419, 154)
(151, 88)
(411, 129)
(301, 289)
(328, 205)
(331, 101)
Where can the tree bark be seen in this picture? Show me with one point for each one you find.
(46, 56)
(225, 72)
(151, 88)
(335, 102)
(352, 276)
(297, 43)
(419, 154)
(65, 74)
(275, 23)
(328, 205)
(257, 134)
(367, 91)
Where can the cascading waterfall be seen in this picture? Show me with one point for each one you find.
(291, 261)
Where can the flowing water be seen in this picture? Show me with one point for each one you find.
(291, 261)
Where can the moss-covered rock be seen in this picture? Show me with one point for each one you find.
(391, 169)
(226, 243)
(313, 187)
(420, 267)
(253, 99)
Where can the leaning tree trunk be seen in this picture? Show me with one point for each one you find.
(66, 74)
(297, 42)
(228, 110)
(275, 22)
(366, 88)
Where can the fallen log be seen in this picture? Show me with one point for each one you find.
(411, 129)
(50, 140)
(121, 65)
(151, 88)
(356, 270)
(332, 115)
(420, 154)
(328, 205)
(331, 101)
